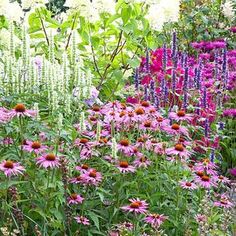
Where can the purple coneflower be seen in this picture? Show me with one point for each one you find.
(75, 199)
(136, 206)
(82, 220)
(48, 161)
(188, 185)
(155, 219)
(124, 167)
(11, 168)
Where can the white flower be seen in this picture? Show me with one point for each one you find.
(5, 37)
(107, 6)
(162, 12)
(227, 9)
(12, 11)
(26, 4)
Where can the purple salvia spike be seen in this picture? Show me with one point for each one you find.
(166, 94)
(145, 92)
(198, 78)
(164, 58)
(204, 98)
(206, 128)
(212, 155)
(157, 103)
(216, 65)
(136, 79)
(221, 125)
(152, 91)
(147, 61)
(173, 80)
(185, 103)
(174, 46)
(185, 88)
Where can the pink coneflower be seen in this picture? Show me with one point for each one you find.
(82, 220)
(35, 147)
(233, 171)
(223, 179)
(201, 218)
(224, 202)
(77, 180)
(124, 167)
(48, 161)
(142, 162)
(188, 185)
(139, 114)
(75, 199)
(11, 168)
(20, 110)
(83, 168)
(180, 116)
(125, 226)
(206, 181)
(155, 220)
(148, 125)
(92, 177)
(124, 146)
(178, 149)
(206, 165)
(175, 129)
(82, 142)
(136, 206)
(7, 141)
(4, 116)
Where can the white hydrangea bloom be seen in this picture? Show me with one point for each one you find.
(107, 6)
(26, 4)
(12, 11)
(228, 9)
(156, 17)
(162, 12)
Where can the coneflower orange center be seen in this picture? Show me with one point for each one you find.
(73, 196)
(200, 173)
(181, 113)
(124, 142)
(9, 164)
(159, 119)
(85, 167)
(124, 164)
(179, 147)
(139, 111)
(93, 118)
(135, 205)
(83, 140)
(36, 145)
(93, 174)
(96, 108)
(123, 113)
(223, 201)
(145, 104)
(156, 216)
(175, 126)
(50, 157)
(188, 184)
(143, 159)
(147, 124)
(205, 178)
(20, 108)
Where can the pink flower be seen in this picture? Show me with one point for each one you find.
(4, 116)
(77, 180)
(200, 218)
(35, 147)
(233, 171)
(180, 116)
(155, 220)
(223, 179)
(83, 168)
(224, 202)
(48, 160)
(75, 199)
(124, 146)
(136, 206)
(82, 220)
(188, 185)
(124, 167)
(206, 181)
(175, 129)
(178, 149)
(20, 110)
(92, 177)
(11, 168)
(142, 162)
